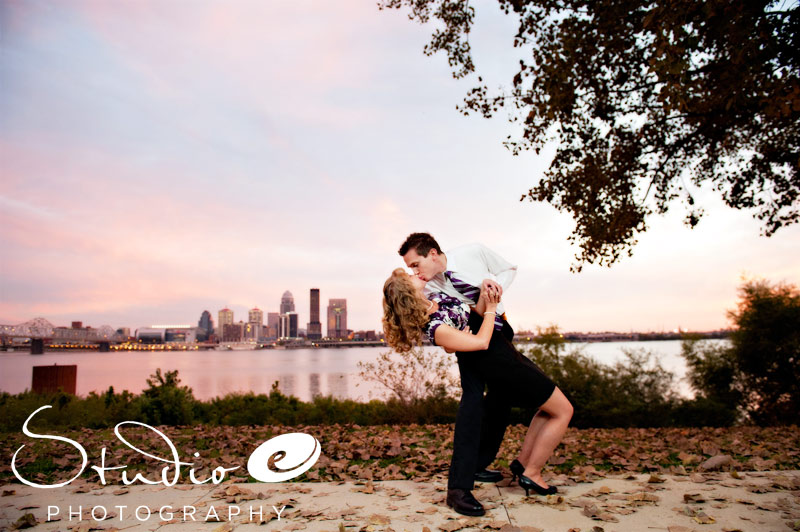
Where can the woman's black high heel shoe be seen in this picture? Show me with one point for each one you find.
(517, 469)
(527, 484)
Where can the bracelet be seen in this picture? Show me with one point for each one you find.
(485, 313)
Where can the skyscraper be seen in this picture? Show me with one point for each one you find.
(273, 325)
(207, 324)
(288, 325)
(256, 315)
(314, 331)
(337, 318)
(292, 324)
(287, 302)
(255, 324)
(225, 318)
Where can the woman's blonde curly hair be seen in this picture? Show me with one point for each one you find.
(404, 313)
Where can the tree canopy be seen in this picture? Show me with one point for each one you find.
(647, 101)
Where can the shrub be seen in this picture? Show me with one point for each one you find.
(165, 402)
(757, 377)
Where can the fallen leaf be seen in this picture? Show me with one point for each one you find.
(693, 498)
(377, 519)
(25, 521)
(716, 462)
(704, 519)
(452, 526)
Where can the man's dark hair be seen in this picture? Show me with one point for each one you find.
(422, 243)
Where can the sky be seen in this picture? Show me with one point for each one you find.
(159, 159)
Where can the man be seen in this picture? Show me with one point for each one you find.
(462, 273)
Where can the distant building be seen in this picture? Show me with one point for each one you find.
(273, 325)
(288, 325)
(179, 334)
(150, 335)
(233, 332)
(367, 336)
(207, 325)
(337, 318)
(256, 315)
(314, 330)
(251, 332)
(225, 318)
(287, 303)
(255, 322)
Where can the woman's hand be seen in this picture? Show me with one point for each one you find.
(491, 297)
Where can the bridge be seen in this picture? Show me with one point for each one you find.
(39, 331)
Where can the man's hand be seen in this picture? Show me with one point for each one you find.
(491, 284)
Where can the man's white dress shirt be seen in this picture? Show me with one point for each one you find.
(472, 263)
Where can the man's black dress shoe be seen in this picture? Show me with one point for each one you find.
(463, 502)
(488, 475)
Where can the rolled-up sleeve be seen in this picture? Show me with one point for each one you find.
(504, 271)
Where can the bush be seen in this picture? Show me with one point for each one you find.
(757, 377)
(165, 402)
(636, 392)
(422, 388)
(766, 350)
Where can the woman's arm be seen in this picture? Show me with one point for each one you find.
(451, 339)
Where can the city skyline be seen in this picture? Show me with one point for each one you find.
(159, 160)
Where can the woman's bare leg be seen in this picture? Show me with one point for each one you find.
(536, 425)
(547, 436)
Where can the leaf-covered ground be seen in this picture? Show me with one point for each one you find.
(402, 452)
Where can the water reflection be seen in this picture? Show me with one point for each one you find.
(227, 384)
(337, 385)
(255, 382)
(287, 384)
(313, 385)
(204, 383)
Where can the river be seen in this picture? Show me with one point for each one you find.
(303, 373)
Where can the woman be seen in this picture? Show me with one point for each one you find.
(408, 314)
